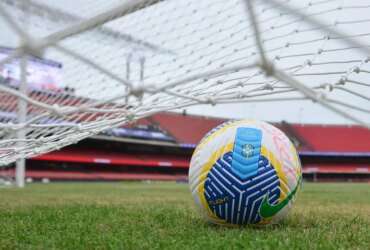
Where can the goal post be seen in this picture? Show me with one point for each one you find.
(76, 68)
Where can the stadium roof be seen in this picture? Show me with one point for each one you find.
(189, 129)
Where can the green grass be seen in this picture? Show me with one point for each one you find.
(163, 216)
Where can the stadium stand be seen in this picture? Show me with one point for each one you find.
(160, 147)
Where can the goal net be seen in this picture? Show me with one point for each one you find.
(78, 67)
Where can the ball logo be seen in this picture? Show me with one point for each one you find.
(219, 201)
(269, 210)
(248, 150)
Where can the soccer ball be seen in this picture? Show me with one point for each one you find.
(245, 172)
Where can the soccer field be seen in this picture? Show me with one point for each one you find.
(163, 216)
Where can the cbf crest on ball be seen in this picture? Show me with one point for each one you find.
(245, 172)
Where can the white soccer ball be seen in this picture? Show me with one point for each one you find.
(245, 172)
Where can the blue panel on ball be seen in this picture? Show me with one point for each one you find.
(246, 152)
(237, 200)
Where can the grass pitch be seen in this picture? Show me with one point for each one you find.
(162, 216)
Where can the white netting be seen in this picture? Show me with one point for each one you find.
(190, 52)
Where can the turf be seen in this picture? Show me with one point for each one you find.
(162, 216)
